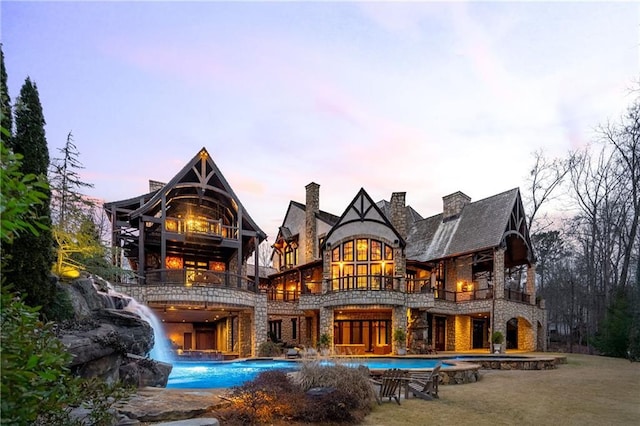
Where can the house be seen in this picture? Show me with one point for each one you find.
(381, 266)
(188, 242)
(449, 280)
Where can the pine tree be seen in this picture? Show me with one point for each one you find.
(5, 102)
(31, 256)
(69, 206)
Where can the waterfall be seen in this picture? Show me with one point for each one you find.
(161, 349)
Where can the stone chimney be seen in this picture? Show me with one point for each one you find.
(310, 222)
(453, 204)
(398, 213)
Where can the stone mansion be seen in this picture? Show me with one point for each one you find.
(448, 280)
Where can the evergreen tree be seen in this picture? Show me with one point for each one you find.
(69, 206)
(30, 256)
(5, 102)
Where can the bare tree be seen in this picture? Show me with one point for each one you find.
(544, 179)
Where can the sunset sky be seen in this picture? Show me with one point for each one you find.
(422, 97)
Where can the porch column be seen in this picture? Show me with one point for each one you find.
(240, 283)
(141, 257)
(260, 322)
(498, 273)
(163, 236)
(531, 283)
(326, 323)
(399, 320)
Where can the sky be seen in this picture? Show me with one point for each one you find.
(426, 98)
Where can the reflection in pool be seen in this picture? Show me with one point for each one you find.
(218, 374)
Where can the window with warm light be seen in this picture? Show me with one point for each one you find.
(173, 262)
(371, 268)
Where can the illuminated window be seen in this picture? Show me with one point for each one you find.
(335, 254)
(347, 251)
(372, 267)
(171, 225)
(291, 255)
(363, 249)
(217, 266)
(173, 262)
(376, 250)
(388, 253)
(363, 275)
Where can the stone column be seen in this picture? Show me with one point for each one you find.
(244, 334)
(399, 320)
(326, 323)
(531, 283)
(498, 273)
(260, 322)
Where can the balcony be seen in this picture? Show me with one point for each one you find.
(198, 278)
(364, 282)
(479, 294)
(200, 226)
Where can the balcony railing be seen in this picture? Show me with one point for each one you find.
(198, 278)
(200, 226)
(365, 282)
(279, 295)
(418, 286)
(479, 294)
(517, 296)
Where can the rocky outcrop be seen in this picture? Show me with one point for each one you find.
(107, 341)
(162, 405)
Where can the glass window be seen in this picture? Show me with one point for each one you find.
(347, 272)
(362, 275)
(388, 253)
(335, 254)
(363, 249)
(347, 253)
(376, 250)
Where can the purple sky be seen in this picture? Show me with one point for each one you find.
(426, 98)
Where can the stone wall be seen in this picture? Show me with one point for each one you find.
(462, 333)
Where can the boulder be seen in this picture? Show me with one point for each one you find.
(144, 372)
(104, 339)
(136, 335)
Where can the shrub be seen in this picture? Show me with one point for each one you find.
(37, 387)
(354, 381)
(269, 349)
(271, 395)
(335, 406)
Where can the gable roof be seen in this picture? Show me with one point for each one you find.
(362, 209)
(326, 217)
(481, 225)
(202, 172)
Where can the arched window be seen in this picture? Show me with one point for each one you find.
(362, 263)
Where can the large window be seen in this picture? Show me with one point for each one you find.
(370, 267)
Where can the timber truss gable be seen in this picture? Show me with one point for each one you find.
(362, 209)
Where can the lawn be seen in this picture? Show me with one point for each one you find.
(588, 390)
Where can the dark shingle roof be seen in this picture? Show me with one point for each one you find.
(481, 225)
(412, 215)
(329, 218)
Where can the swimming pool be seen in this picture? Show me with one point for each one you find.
(225, 374)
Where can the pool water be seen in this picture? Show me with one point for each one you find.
(225, 374)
